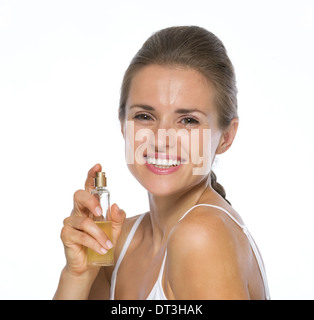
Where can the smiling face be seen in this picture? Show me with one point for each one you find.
(170, 128)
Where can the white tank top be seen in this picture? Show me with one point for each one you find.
(157, 293)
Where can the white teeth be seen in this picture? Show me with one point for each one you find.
(162, 163)
(151, 160)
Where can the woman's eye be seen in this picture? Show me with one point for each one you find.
(189, 121)
(143, 117)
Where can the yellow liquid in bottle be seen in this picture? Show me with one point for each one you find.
(93, 257)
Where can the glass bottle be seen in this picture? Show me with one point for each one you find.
(103, 195)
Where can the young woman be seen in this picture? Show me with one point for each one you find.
(191, 244)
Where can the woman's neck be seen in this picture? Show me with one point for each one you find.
(166, 211)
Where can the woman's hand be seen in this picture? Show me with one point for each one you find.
(80, 231)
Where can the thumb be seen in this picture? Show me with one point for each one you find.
(117, 216)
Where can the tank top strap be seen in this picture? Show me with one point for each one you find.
(216, 207)
(122, 253)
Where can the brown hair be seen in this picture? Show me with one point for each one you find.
(196, 48)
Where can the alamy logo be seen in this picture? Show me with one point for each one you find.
(190, 146)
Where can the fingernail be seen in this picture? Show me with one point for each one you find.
(103, 251)
(109, 244)
(98, 211)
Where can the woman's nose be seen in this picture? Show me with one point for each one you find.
(165, 137)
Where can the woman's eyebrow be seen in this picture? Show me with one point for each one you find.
(184, 111)
(142, 106)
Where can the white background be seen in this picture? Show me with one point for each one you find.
(61, 66)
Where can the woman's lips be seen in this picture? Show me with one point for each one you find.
(160, 170)
(162, 163)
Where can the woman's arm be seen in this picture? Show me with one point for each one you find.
(204, 259)
(73, 287)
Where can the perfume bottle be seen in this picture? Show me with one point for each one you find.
(103, 195)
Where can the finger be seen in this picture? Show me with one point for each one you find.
(85, 203)
(89, 227)
(117, 216)
(89, 183)
(72, 237)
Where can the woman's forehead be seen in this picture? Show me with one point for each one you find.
(171, 87)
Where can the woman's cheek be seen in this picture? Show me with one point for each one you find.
(201, 151)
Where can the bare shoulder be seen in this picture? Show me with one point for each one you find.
(206, 251)
(205, 226)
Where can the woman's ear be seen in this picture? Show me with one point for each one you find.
(228, 136)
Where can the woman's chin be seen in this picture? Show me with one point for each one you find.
(163, 185)
(161, 190)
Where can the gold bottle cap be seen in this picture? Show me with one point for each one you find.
(100, 180)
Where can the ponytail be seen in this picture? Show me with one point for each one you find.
(217, 186)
